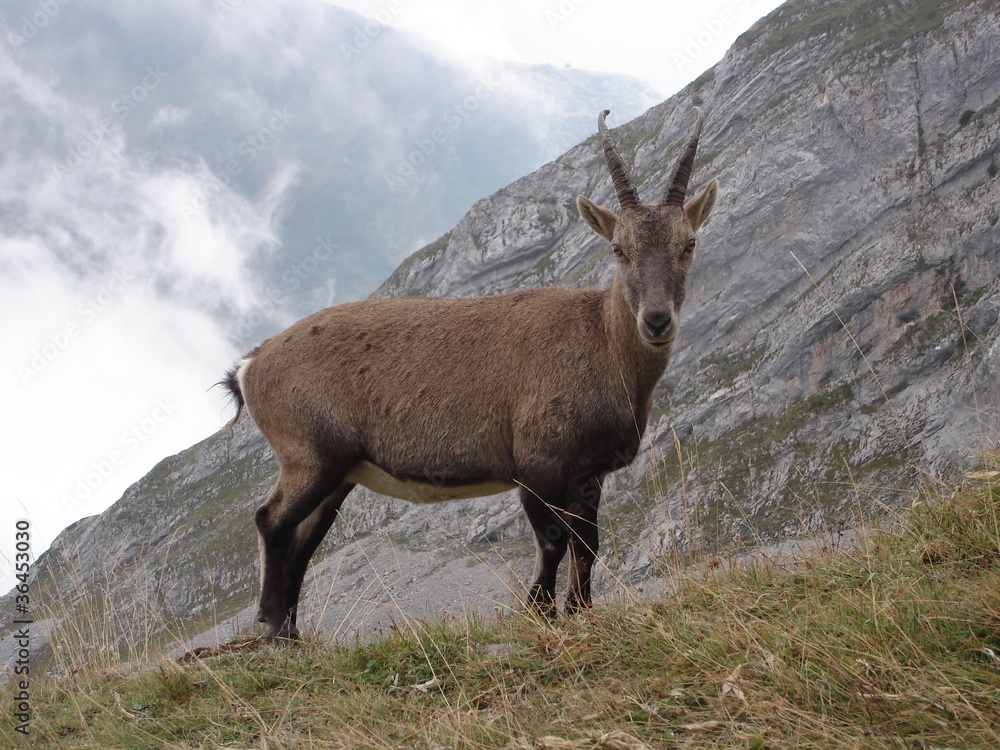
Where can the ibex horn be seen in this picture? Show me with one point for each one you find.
(628, 196)
(677, 186)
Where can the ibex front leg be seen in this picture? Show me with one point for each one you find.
(551, 540)
(581, 516)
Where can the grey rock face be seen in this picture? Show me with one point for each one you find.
(838, 350)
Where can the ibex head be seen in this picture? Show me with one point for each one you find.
(654, 242)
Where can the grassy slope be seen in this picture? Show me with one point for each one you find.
(893, 643)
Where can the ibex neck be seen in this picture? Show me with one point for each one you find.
(637, 366)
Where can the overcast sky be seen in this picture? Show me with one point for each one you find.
(106, 374)
(665, 43)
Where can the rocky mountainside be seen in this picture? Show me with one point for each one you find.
(838, 350)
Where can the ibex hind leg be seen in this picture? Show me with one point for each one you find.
(296, 495)
(308, 536)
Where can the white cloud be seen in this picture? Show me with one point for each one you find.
(170, 117)
(106, 293)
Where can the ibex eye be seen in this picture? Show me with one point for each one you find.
(618, 250)
(690, 247)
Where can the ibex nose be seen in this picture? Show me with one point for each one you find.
(658, 323)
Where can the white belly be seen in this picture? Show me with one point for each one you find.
(371, 476)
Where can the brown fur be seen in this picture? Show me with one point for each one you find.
(547, 390)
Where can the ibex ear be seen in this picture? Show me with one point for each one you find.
(699, 207)
(598, 218)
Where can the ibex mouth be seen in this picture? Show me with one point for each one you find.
(657, 343)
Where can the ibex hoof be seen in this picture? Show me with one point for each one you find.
(284, 634)
(576, 607)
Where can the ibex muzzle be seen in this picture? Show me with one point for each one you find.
(543, 390)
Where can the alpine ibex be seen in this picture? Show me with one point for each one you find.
(545, 390)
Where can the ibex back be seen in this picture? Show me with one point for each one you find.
(545, 390)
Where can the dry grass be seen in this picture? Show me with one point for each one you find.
(894, 643)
